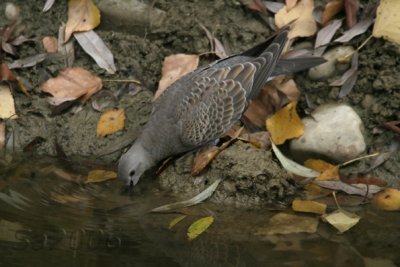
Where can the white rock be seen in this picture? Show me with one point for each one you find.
(334, 131)
(12, 11)
(331, 67)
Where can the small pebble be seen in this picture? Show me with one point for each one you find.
(12, 11)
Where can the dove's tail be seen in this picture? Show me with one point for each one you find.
(287, 66)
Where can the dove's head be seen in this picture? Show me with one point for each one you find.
(133, 164)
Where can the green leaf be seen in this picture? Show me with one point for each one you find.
(199, 226)
(176, 221)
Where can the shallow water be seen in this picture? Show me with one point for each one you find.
(47, 220)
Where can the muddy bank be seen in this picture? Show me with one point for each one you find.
(250, 176)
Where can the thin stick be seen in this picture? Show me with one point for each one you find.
(122, 81)
(360, 158)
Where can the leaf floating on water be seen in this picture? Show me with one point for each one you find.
(176, 221)
(389, 199)
(284, 223)
(199, 226)
(97, 49)
(71, 84)
(193, 201)
(83, 15)
(341, 219)
(285, 124)
(7, 106)
(387, 21)
(292, 166)
(110, 122)
(308, 206)
(97, 176)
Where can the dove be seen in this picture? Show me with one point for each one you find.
(201, 106)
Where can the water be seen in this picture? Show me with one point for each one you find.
(46, 220)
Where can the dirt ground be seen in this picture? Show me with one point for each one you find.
(139, 54)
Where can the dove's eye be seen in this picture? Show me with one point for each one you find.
(132, 173)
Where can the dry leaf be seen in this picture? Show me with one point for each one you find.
(48, 5)
(352, 189)
(327, 170)
(360, 28)
(28, 61)
(289, 88)
(97, 176)
(110, 122)
(256, 5)
(348, 79)
(302, 18)
(273, 7)
(389, 199)
(308, 206)
(7, 107)
(284, 223)
(71, 84)
(97, 49)
(260, 140)
(6, 74)
(290, 4)
(388, 21)
(2, 135)
(331, 10)
(351, 7)
(50, 44)
(174, 67)
(325, 36)
(83, 15)
(66, 49)
(204, 157)
(285, 124)
(342, 220)
(199, 226)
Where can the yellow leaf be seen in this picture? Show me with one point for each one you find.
(199, 226)
(285, 124)
(388, 20)
(328, 171)
(389, 199)
(97, 176)
(83, 15)
(308, 206)
(110, 122)
(342, 220)
(7, 107)
(301, 17)
(176, 221)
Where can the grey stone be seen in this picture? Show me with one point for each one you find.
(333, 131)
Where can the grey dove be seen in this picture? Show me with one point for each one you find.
(202, 105)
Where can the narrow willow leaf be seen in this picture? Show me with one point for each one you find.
(97, 49)
(199, 226)
(176, 221)
(193, 201)
(292, 166)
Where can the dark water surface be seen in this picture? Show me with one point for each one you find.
(46, 220)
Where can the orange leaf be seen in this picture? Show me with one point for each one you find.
(327, 170)
(110, 122)
(331, 9)
(7, 107)
(83, 15)
(285, 124)
(5, 73)
(389, 199)
(308, 206)
(50, 44)
(174, 67)
(71, 84)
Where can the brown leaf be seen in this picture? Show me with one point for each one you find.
(285, 124)
(351, 7)
(327, 170)
(2, 135)
(288, 88)
(83, 15)
(174, 67)
(260, 140)
(352, 189)
(331, 10)
(301, 17)
(50, 44)
(71, 84)
(110, 122)
(5, 73)
(256, 5)
(369, 180)
(392, 125)
(308, 206)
